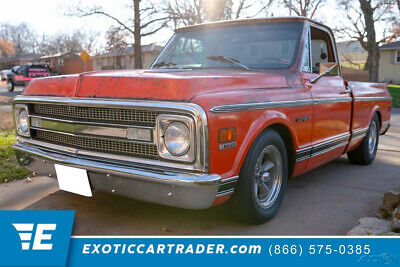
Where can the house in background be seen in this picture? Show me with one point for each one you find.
(389, 63)
(67, 63)
(9, 62)
(123, 58)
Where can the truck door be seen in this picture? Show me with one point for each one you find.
(332, 101)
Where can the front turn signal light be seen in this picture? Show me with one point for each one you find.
(227, 135)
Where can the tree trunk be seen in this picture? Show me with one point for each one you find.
(372, 45)
(138, 44)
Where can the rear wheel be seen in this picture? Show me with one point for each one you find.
(262, 180)
(10, 85)
(365, 153)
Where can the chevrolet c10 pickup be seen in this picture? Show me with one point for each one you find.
(228, 111)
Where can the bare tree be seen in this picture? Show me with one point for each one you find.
(146, 20)
(6, 48)
(117, 39)
(22, 37)
(66, 43)
(190, 12)
(306, 8)
(362, 17)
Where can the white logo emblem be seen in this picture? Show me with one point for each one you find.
(25, 234)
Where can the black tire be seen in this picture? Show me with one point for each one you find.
(10, 85)
(244, 203)
(365, 154)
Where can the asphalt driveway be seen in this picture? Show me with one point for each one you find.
(325, 201)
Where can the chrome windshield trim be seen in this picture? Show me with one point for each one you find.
(372, 98)
(261, 105)
(195, 111)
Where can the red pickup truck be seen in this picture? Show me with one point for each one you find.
(228, 111)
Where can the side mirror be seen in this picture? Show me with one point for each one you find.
(325, 69)
(328, 68)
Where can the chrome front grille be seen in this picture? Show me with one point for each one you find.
(98, 144)
(97, 114)
(112, 129)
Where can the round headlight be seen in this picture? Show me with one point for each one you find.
(23, 121)
(177, 138)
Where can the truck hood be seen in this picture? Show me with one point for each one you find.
(168, 85)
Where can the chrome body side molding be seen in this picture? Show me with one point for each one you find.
(333, 100)
(324, 147)
(227, 186)
(359, 133)
(260, 105)
(295, 103)
(278, 104)
(372, 98)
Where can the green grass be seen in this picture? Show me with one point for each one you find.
(9, 167)
(395, 92)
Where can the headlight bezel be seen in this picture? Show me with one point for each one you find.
(163, 122)
(17, 111)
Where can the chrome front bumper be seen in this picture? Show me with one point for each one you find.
(183, 190)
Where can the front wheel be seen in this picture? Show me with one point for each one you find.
(10, 85)
(262, 180)
(365, 153)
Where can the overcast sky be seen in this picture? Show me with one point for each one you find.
(48, 16)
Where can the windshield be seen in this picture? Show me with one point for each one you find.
(255, 46)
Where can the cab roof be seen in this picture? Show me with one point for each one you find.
(248, 21)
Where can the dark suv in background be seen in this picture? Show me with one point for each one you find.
(21, 76)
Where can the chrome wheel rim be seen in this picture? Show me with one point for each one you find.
(372, 137)
(268, 176)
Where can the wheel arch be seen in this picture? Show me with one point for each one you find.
(379, 118)
(287, 133)
(287, 138)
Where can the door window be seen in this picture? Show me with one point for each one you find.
(321, 49)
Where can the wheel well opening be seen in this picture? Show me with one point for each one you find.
(284, 132)
(380, 119)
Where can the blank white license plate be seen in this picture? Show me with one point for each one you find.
(73, 180)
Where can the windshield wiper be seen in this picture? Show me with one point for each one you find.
(166, 64)
(229, 60)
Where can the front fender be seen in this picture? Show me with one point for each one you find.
(266, 120)
(249, 125)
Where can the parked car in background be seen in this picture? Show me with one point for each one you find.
(4, 74)
(228, 111)
(22, 75)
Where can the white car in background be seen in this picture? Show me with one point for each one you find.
(4, 73)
